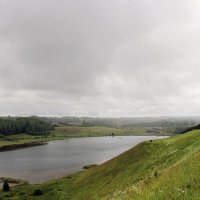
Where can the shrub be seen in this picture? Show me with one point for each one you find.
(6, 186)
(89, 166)
(37, 192)
(156, 174)
(69, 177)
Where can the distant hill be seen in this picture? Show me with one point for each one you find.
(174, 125)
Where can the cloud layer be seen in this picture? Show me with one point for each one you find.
(99, 57)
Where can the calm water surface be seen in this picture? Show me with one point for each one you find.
(58, 158)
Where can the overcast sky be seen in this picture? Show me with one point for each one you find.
(102, 58)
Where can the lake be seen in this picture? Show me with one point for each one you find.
(58, 158)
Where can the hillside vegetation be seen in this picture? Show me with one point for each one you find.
(153, 170)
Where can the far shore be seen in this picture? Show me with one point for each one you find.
(11, 147)
(17, 141)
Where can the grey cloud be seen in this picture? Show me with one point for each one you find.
(99, 58)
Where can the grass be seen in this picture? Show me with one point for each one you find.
(78, 131)
(153, 170)
(62, 132)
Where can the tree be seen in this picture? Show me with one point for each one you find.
(6, 186)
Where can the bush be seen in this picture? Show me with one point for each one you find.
(6, 186)
(156, 174)
(37, 192)
(89, 166)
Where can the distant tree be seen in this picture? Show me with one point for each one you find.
(29, 125)
(6, 186)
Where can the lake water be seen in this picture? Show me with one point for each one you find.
(58, 158)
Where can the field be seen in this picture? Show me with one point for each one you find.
(153, 170)
(80, 131)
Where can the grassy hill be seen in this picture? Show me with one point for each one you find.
(153, 170)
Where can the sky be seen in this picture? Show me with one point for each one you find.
(99, 58)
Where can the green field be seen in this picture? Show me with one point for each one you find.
(153, 170)
(62, 132)
(80, 131)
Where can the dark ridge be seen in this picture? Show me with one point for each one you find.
(191, 129)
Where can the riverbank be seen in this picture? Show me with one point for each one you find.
(62, 132)
(24, 141)
(10, 147)
(12, 182)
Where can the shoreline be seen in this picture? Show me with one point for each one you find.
(42, 141)
(12, 147)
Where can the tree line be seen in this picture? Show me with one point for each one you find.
(197, 127)
(28, 125)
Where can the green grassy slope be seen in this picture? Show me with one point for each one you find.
(157, 170)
